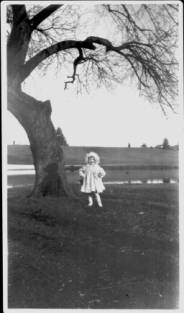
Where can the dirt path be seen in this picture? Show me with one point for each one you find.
(65, 255)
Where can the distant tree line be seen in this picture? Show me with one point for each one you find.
(165, 145)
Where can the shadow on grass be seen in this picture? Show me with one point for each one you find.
(65, 255)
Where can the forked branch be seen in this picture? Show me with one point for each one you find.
(76, 62)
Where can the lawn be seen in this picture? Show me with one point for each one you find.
(21, 154)
(128, 174)
(63, 254)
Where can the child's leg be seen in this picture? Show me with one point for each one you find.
(90, 200)
(98, 199)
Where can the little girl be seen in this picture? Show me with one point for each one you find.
(92, 175)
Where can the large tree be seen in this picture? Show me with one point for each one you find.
(140, 44)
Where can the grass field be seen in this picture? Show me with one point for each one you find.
(124, 156)
(65, 255)
(112, 175)
(19, 154)
(119, 174)
(120, 163)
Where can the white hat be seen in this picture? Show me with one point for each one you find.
(94, 155)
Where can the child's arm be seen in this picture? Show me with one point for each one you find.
(82, 171)
(101, 173)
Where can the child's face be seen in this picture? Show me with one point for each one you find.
(91, 160)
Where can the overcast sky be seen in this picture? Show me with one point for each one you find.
(101, 118)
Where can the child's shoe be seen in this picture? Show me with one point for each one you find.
(99, 200)
(90, 203)
(100, 205)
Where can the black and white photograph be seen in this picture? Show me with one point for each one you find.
(92, 124)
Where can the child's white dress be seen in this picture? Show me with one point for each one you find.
(92, 178)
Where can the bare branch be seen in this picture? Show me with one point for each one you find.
(143, 58)
(174, 7)
(42, 15)
(144, 47)
(170, 14)
(131, 20)
(42, 55)
(77, 61)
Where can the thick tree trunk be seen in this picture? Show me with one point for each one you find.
(35, 117)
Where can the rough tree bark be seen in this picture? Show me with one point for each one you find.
(34, 115)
